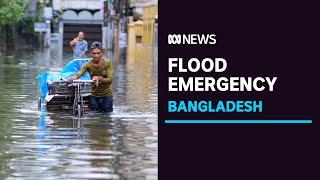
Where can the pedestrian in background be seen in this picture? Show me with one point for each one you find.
(79, 45)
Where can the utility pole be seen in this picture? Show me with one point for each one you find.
(108, 25)
(48, 15)
(115, 28)
(123, 29)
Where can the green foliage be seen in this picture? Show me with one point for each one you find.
(11, 11)
(25, 25)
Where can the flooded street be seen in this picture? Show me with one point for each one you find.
(36, 144)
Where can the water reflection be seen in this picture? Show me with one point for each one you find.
(40, 144)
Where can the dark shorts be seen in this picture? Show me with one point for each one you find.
(104, 104)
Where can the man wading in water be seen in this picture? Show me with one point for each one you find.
(79, 45)
(100, 70)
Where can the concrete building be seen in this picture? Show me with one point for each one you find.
(79, 15)
(107, 21)
(143, 33)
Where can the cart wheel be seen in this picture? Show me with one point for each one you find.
(79, 111)
(39, 103)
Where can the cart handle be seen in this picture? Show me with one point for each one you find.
(83, 81)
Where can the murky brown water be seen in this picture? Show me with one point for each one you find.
(39, 144)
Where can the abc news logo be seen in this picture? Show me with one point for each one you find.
(192, 39)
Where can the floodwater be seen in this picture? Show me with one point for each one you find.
(36, 144)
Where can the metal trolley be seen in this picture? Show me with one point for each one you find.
(65, 96)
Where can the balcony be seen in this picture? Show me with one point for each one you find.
(77, 4)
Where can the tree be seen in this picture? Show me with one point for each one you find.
(11, 11)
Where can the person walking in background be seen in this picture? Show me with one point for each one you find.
(79, 45)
